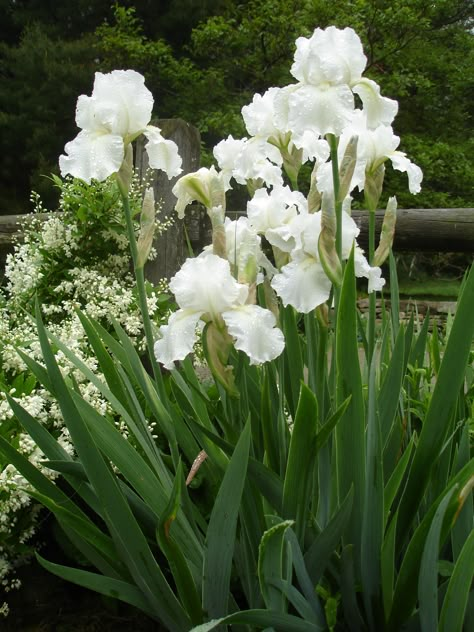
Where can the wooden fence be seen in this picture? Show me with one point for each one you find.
(428, 230)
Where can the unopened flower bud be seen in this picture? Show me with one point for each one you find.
(217, 345)
(387, 233)
(327, 241)
(346, 168)
(373, 186)
(217, 217)
(247, 263)
(314, 195)
(292, 161)
(147, 228)
(205, 186)
(125, 173)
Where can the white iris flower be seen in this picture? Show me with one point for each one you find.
(206, 291)
(271, 214)
(116, 113)
(303, 282)
(249, 159)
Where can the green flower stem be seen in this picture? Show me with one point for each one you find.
(140, 281)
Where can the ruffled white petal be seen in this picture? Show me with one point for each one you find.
(314, 147)
(303, 284)
(178, 337)
(258, 159)
(253, 329)
(267, 210)
(259, 116)
(376, 282)
(123, 102)
(162, 153)
(331, 55)
(320, 110)
(225, 153)
(92, 155)
(205, 285)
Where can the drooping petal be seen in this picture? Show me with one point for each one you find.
(415, 175)
(92, 155)
(178, 337)
(254, 331)
(372, 273)
(379, 110)
(350, 231)
(162, 153)
(204, 284)
(302, 283)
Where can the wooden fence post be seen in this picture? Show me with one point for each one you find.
(170, 246)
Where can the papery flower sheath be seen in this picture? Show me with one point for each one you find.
(116, 113)
(206, 292)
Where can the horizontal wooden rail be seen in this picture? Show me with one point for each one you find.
(436, 230)
(425, 229)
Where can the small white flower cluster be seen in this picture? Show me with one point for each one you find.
(23, 270)
(69, 262)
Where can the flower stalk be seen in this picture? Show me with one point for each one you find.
(140, 282)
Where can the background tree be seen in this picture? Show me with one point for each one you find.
(204, 60)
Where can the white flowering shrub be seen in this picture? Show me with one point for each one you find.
(75, 258)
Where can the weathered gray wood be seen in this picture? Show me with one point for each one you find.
(11, 231)
(170, 246)
(11, 226)
(428, 230)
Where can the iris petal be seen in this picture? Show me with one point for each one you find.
(162, 153)
(92, 155)
(253, 329)
(303, 284)
(178, 337)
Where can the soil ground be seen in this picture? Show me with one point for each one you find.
(46, 603)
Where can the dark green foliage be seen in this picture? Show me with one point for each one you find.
(204, 60)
